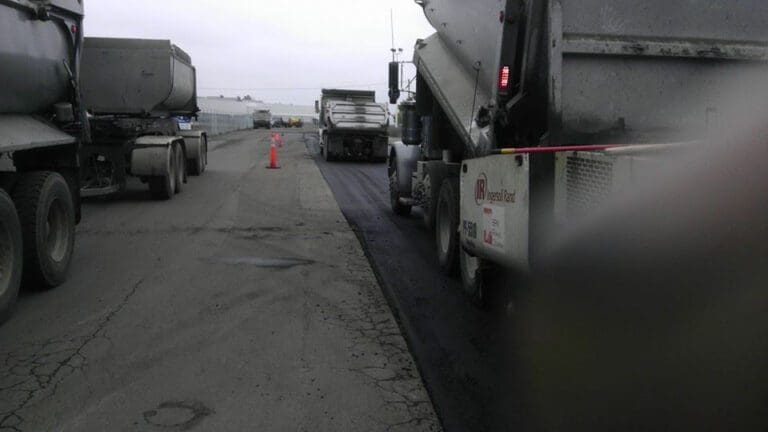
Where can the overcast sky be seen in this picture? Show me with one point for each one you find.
(276, 51)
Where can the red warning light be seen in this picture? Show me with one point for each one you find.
(504, 79)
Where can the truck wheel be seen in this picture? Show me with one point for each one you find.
(47, 214)
(473, 279)
(183, 163)
(164, 187)
(204, 154)
(394, 191)
(447, 228)
(178, 155)
(329, 157)
(11, 256)
(196, 166)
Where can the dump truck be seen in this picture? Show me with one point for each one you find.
(262, 119)
(42, 124)
(134, 91)
(528, 114)
(352, 125)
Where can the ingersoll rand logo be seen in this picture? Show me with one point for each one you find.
(481, 188)
(484, 194)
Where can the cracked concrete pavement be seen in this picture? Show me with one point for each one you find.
(246, 303)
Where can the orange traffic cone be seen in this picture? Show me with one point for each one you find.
(273, 163)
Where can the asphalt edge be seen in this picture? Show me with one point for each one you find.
(392, 302)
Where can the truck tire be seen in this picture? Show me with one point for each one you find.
(398, 207)
(474, 279)
(196, 166)
(329, 157)
(205, 153)
(181, 167)
(429, 205)
(47, 214)
(11, 256)
(447, 228)
(164, 187)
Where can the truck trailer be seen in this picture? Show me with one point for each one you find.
(42, 124)
(352, 125)
(528, 114)
(134, 91)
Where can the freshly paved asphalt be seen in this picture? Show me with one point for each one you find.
(460, 349)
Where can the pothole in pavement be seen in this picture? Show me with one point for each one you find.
(177, 415)
(279, 263)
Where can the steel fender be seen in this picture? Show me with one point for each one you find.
(193, 141)
(407, 157)
(152, 157)
(20, 132)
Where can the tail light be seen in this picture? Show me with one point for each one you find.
(504, 75)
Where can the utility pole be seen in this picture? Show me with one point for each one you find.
(392, 27)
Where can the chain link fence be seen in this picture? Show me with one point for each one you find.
(217, 124)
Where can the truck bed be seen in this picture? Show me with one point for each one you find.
(138, 77)
(655, 71)
(598, 71)
(34, 55)
(357, 116)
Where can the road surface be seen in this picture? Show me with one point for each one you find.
(457, 346)
(245, 303)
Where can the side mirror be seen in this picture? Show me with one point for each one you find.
(394, 82)
(317, 107)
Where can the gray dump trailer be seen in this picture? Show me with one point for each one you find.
(353, 125)
(41, 126)
(135, 90)
(262, 118)
(502, 86)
